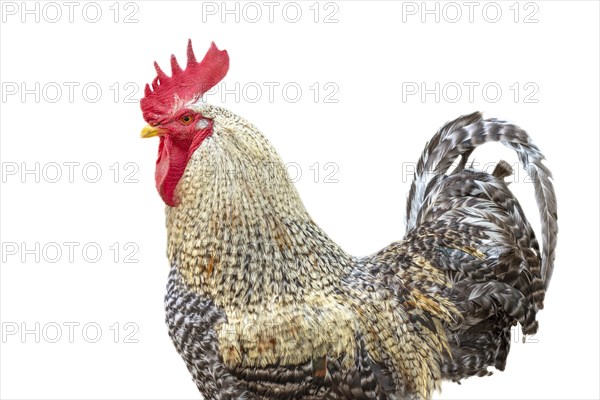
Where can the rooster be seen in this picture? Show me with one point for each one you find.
(262, 304)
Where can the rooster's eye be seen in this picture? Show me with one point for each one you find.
(186, 119)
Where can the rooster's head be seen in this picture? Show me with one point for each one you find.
(170, 107)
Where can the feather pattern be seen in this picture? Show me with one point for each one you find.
(459, 138)
(262, 304)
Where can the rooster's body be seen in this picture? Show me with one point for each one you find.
(262, 304)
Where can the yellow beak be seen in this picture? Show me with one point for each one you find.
(151, 131)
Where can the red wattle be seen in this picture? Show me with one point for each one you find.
(173, 156)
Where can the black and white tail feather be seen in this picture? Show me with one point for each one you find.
(469, 224)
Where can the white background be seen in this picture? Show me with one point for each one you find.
(372, 134)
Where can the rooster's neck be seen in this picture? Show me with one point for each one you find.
(240, 233)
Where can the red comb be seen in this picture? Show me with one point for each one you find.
(183, 85)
